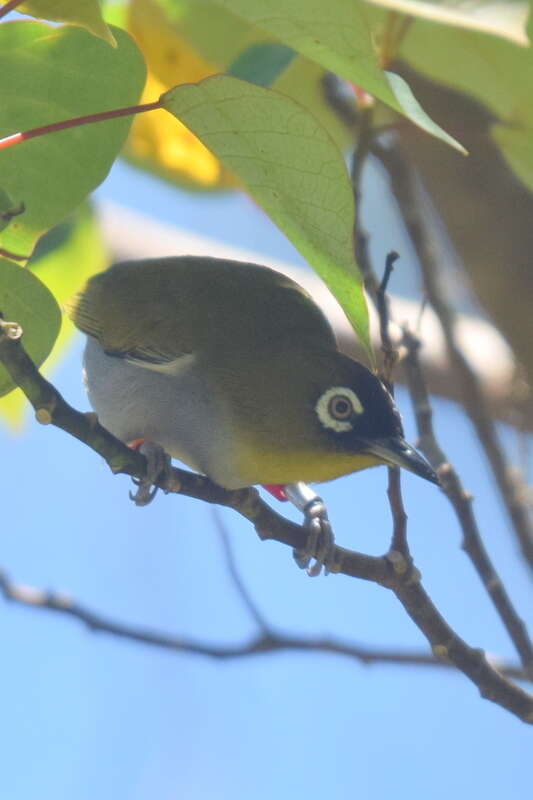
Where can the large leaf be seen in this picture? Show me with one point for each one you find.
(505, 18)
(290, 166)
(64, 258)
(86, 13)
(27, 301)
(183, 49)
(50, 74)
(493, 71)
(337, 36)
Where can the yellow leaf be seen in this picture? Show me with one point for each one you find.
(186, 49)
(156, 142)
(167, 147)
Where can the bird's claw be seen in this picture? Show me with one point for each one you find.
(320, 540)
(320, 544)
(158, 465)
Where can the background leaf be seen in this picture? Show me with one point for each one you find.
(86, 13)
(292, 169)
(156, 142)
(24, 299)
(337, 36)
(181, 48)
(63, 260)
(44, 78)
(262, 63)
(495, 72)
(505, 18)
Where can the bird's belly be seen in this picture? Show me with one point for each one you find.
(175, 411)
(275, 463)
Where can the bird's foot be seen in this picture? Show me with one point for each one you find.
(320, 540)
(158, 465)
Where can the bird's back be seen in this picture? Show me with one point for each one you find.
(212, 302)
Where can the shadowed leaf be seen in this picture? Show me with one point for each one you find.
(45, 78)
(27, 301)
(290, 166)
(337, 36)
(64, 258)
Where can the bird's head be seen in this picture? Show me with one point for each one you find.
(357, 415)
(313, 416)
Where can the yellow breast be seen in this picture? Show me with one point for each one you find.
(259, 465)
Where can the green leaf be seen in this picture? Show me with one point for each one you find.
(414, 111)
(70, 253)
(335, 35)
(47, 75)
(262, 63)
(495, 72)
(505, 18)
(63, 260)
(27, 301)
(290, 166)
(86, 13)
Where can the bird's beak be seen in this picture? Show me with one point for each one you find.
(396, 452)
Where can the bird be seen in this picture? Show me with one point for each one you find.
(231, 368)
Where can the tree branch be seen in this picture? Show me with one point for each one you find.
(9, 6)
(460, 500)
(404, 186)
(399, 544)
(462, 505)
(266, 642)
(405, 583)
(235, 576)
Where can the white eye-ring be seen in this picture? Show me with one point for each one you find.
(336, 408)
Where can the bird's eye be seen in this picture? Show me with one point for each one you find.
(336, 408)
(340, 407)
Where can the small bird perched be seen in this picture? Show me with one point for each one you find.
(231, 368)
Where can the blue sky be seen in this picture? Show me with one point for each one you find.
(87, 715)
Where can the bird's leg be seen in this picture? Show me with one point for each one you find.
(277, 490)
(320, 540)
(158, 464)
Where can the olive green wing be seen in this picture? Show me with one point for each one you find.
(134, 310)
(155, 311)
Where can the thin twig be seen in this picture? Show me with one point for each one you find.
(399, 542)
(266, 642)
(472, 542)
(390, 354)
(462, 505)
(406, 190)
(365, 141)
(10, 6)
(236, 577)
(365, 137)
(339, 101)
(386, 571)
(76, 122)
